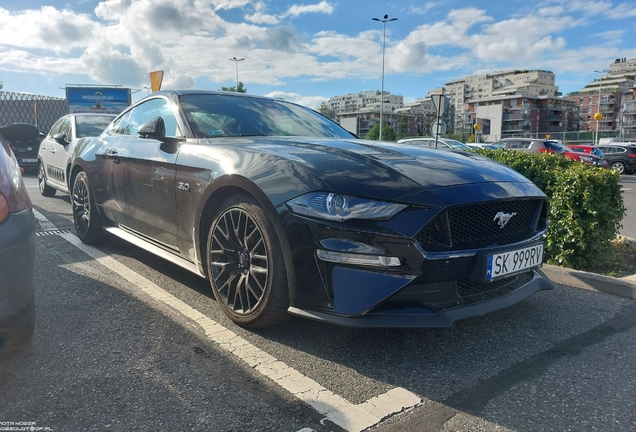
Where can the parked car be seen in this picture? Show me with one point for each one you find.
(483, 146)
(590, 149)
(537, 145)
(56, 149)
(442, 143)
(285, 212)
(17, 243)
(26, 150)
(620, 157)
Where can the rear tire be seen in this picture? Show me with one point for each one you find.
(45, 189)
(85, 218)
(246, 266)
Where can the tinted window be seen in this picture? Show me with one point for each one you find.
(555, 146)
(147, 111)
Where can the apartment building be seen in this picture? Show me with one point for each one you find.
(525, 115)
(463, 91)
(612, 95)
(363, 101)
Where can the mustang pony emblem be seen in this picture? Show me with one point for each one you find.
(503, 218)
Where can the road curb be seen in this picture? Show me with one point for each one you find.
(623, 287)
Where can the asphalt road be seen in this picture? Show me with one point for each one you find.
(125, 341)
(629, 198)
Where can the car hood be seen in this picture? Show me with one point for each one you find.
(380, 169)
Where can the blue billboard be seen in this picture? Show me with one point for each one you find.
(97, 99)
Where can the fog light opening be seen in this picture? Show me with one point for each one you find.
(357, 259)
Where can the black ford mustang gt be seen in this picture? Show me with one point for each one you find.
(287, 213)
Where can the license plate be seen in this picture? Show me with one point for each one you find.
(516, 261)
(28, 160)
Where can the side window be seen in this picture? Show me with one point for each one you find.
(66, 129)
(119, 126)
(55, 129)
(149, 110)
(620, 150)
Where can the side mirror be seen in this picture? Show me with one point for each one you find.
(153, 129)
(61, 138)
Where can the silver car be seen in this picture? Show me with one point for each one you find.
(442, 143)
(54, 156)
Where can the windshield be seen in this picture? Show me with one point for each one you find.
(218, 115)
(92, 126)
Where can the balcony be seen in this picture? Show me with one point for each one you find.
(515, 128)
(553, 128)
(515, 117)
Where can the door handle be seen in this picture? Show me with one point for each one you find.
(113, 155)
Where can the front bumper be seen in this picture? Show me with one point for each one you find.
(422, 317)
(429, 288)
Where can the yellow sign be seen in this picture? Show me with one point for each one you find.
(547, 136)
(477, 126)
(156, 78)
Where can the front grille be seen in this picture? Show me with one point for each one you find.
(474, 226)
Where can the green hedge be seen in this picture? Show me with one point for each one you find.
(586, 206)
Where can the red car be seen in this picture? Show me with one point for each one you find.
(590, 150)
(538, 145)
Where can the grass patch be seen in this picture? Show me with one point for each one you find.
(622, 261)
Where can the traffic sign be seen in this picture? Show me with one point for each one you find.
(441, 130)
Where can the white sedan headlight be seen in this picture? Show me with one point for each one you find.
(337, 207)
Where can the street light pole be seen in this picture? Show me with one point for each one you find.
(234, 59)
(384, 20)
(598, 114)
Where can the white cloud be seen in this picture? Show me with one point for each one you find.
(424, 8)
(312, 102)
(261, 18)
(322, 7)
(46, 28)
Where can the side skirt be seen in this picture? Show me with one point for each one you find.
(156, 250)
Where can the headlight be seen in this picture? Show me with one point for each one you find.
(586, 158)
(337, 207)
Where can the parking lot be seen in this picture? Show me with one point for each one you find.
(126, 341)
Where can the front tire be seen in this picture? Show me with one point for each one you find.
(246, 266)
(85, 218)
(45, 189)
(618, 167)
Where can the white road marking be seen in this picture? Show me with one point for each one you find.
(43, 221)
(353, 418)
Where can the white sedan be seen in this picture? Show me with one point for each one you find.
(56, 149)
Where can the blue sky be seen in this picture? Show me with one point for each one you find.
(305, 51)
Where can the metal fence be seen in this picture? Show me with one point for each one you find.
(41, 111)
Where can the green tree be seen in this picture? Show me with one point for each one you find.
(388, 133)
(241, 89)
(327, 112)
(403, 129)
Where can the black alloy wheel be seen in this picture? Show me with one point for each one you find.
(45, 189)
(618, 167)
(245, 265)
(85, 218)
